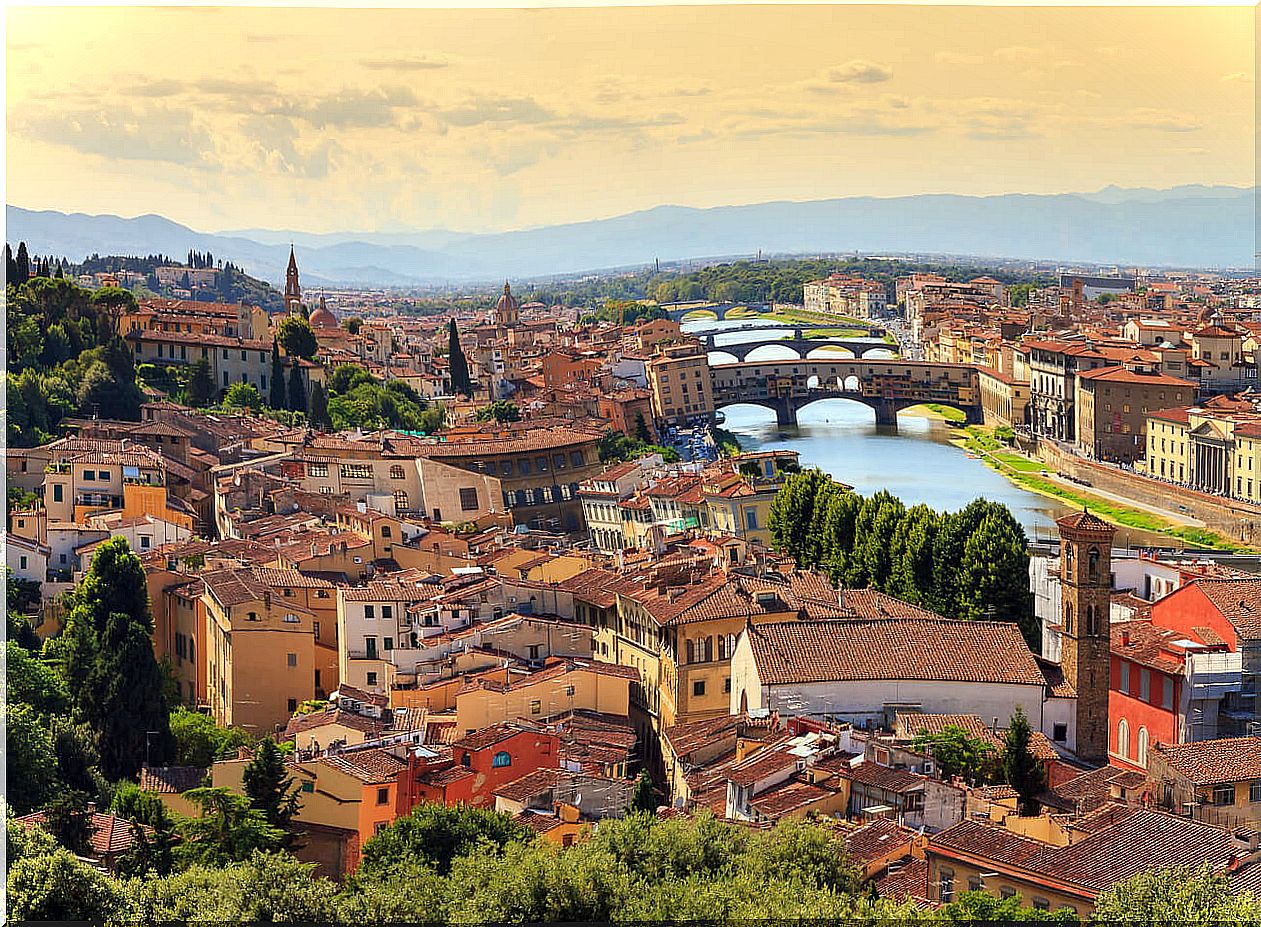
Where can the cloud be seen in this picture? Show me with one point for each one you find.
(1240, 77)
(405, 63)
(351, 108)
(858, 71)
(948, 57)
(1017, 53)
(274, 145)
(482, 110)
(1163, 120)
(122, 133)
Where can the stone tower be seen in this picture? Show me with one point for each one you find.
(1085, 604)
(293, 292)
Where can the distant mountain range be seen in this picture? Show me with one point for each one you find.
(1190, 226)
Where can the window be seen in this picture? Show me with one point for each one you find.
(388, 643)
(698, 688)
(1142, 747)
(317, 469)
(1223, 794)
(1123, 738)
(946, 885)
(541, 463)
(357, 471)
(1007, 892)
(1145, 684)
(559, 461)
(57, 492)
(292, 619)
(372, 678)
(536, 707)
(726, 685)
(1125, 677)
(1059, 732)
(505, 467)
(1254, 792)
(89, 475)
(468, 499)
(146, 541)
(291, 659)
(385, 531)
(396, 472)
(575, 458)
(1041, 904)
(401, 501)
(500, 760)
(383, 796)
(369, 612)
(523, 466)
(308, 787)
(387, 612)
(974, 883)
(750, 519)
(22, 562)
(569, 691)
(1166, 693)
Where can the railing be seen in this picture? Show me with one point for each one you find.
(57, 468)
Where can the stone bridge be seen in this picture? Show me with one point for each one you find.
(801, 346)
(676, 311)
(887, 386)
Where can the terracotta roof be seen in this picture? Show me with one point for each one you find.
(169, 780)
(1239, 600)
(1085, 521)
(876, 839)
(373, 766)
(923, 649)
(788, 796)
(111, 834)
(907, 882)
(1143, 643)
(884, 777)
(1093, 789)
(1208, 762)
(530, 785)
(496, 733)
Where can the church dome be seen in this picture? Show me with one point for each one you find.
(507, 300)
(322, 317)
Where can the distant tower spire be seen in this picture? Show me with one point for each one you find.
(293, 291)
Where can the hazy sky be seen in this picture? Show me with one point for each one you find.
(326, 119)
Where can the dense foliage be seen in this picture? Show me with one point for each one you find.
(468, 866)
(969, 564)
(501, 410)
(615, 446)
(356, 399)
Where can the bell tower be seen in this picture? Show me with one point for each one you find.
(1085, 606)
(293, 292)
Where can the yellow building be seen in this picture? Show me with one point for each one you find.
(681, 385)
(260, 652)
(89, 476)
(561, 687)
(1214, 447)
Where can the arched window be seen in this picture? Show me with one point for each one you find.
(1092, 620)
(400, 500)
(1092, 562)
(691, 652)
(709, 649)
(1142, 747)
(1123, 738)
(500, 759)
(1068, 617)
(722, 646)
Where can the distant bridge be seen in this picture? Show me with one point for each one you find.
(676, 311)
(800, 346)
(887, 386)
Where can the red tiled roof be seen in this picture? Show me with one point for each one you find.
(922, 649)
(1209, 762)
(111, 834)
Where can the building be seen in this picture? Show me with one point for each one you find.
(866, 671)
(1214, 781)
(1214, 447)
(1072, 861)
(1113, 405)
(1085, 655)
(681, 385)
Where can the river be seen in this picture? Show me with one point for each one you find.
(916, 461)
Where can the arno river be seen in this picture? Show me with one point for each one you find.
(916, 462)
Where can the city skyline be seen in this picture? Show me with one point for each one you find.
(480, 120)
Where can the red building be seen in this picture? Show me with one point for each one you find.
(478, 764)
(1145, 700)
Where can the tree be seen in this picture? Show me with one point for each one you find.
(438, 834)
(1022, 770)
(297, 338)
(115, 681)
(644, 798)
(201, 385)
(994, 575)
(1176, 896)
(352, 324)
(319, 407)
(29, 759)
(10, 266)
(460, 382)
(33, 683)
(277, 397)
(243, 396)
(58, 887)
(641, 428)
(297, 390)
(69, 822)
(23, 263)
(199, 741)
(228, 829)
(957, 753)
(501, 410)
(270, 790)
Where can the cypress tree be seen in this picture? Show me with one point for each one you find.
(297, 394)
(1022, 770)
(460, 382)
(201, 386)
(319, 407)
(23, 265)
(277, 398)
(269, 789)
(10, 266)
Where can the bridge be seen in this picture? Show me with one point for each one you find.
(676, 311)
(887, 386)
(801, 346)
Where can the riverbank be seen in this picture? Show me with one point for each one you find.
(1032, 475)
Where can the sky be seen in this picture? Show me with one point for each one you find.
(480, 120)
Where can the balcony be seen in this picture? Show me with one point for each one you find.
(57, 468)
(98, 500)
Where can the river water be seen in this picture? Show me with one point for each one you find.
(916, 461)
